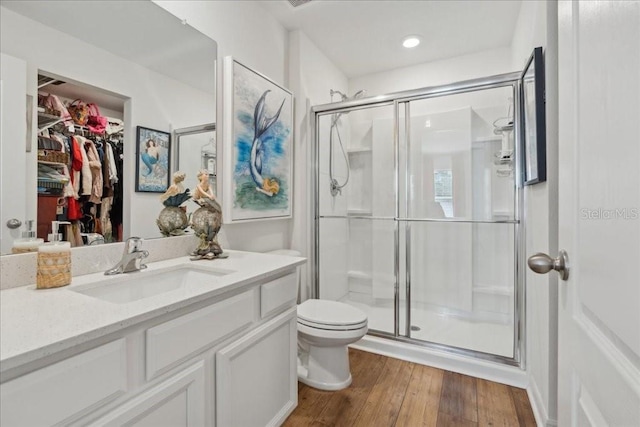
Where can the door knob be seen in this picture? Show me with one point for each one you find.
(14, 223)
(543, 263)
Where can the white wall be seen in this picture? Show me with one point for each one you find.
(537, 26)
(152, 100)
(312, 76)
(253, 37)
(480, 64)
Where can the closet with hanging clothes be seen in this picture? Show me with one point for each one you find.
(80, 159)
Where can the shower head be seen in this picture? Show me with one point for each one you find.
(337, 92)
(344, 97)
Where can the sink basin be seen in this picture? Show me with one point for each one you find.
(146, 284)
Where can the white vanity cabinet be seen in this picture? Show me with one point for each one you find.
(227, 361)
(256, 383)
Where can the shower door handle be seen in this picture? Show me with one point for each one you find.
(543, 263)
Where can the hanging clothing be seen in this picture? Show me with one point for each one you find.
(96, 172)
(76, 165)
(107, 187)
(118, 206)
(113, 170)
(85, 188)
(74, 210)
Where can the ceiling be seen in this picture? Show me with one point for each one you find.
(364, 36)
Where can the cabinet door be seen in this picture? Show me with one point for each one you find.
(176, 402)
(256, 381)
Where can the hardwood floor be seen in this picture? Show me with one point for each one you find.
(392, 392)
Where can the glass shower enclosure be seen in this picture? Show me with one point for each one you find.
(417, 215)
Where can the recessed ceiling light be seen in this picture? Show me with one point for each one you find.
(410, 41)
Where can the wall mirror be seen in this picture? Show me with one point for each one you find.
(195, 149)
(136, 61)
(534, 124)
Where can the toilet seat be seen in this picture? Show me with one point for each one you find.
(331, 315)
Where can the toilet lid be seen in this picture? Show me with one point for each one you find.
(330, 314)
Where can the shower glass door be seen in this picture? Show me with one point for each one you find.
(417, 216)
(356, 223)
(457, 213)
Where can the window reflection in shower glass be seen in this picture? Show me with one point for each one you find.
(443, 190)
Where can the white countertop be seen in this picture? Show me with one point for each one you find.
(35, 323)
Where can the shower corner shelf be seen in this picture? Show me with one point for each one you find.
(358, 150)
(359, 212)
(357, 274)
(491, 138)
(493, 290)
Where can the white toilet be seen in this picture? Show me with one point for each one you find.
(325, 329)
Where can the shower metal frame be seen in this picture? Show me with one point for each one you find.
(405, 97)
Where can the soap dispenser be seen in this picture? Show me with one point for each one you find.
(54, 260)
(28, 242)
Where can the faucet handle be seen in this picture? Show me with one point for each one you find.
(132, 244)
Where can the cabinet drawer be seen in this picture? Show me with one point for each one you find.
(278, 294)
(172, 342)
(52, 394)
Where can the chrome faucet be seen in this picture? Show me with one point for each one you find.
(131, 258)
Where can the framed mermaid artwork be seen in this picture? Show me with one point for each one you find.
(153, 151)
(257, 146)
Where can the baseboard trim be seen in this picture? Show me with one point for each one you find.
(538, 406)
(491, 371)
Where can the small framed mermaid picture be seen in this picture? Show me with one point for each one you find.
(257, 146)
(153, 151)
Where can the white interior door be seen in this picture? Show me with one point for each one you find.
(599, 306)
(13, 128)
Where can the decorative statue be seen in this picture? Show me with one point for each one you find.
(173, 219)
(206, 221)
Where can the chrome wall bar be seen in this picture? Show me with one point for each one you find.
(447, 348)
(396, 227)
(407, 226)
(415, 94)
(468, 221)
(453, 220)
(519, 299)
(315, 196)
(389, 218)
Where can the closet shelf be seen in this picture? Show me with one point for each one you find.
(45, 121)
(44, 162)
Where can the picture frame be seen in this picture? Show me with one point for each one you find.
(153, 157)
(532, 92)
(257, 163)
